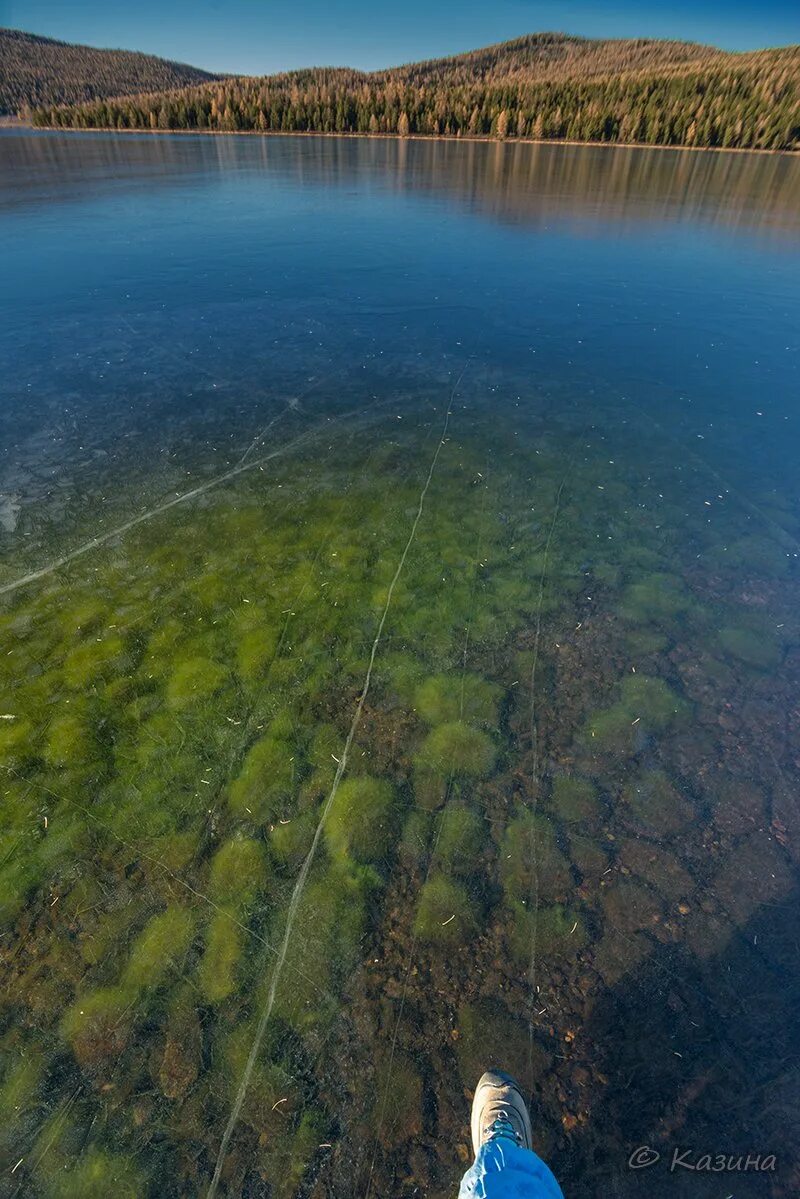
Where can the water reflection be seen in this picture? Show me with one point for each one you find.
(530, 184)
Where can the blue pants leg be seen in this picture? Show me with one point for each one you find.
(504, 1171)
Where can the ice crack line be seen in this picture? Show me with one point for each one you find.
(302, 877)
(183, 498)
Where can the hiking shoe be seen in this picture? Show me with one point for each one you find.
(499, 1112)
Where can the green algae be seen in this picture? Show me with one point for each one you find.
(265, 783)
(656, 599)
(16, 741)
(444, 699)
(332, 912)
(194, 680)
(643, 642)
(212, 788)
(69, 740)
(431, 788)
(554, 930)
(461, 839)
(98, 1174)
(97, 1026)
(647, 705)
(456, 748)
(291, 840)
(754, 647)
(575, 799)
(161, 943)
(217, 972)
(414, 842)
(359, 824)
(445, 913)
(238, 872)
(94, 660)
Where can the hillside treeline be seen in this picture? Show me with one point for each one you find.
(36, 71)
(667, 94)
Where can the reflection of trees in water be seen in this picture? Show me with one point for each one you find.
(521, 182)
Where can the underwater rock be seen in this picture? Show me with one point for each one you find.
(756, 872)
(589, 856)
(359, 823)
(530, 861)
(489, 1036)
(575, 799)
(179, 1064)
(741, 807)
(629, 907)
(98, 1025)
(455, 748)
(657, 867)
(655, 805)
(445, 913)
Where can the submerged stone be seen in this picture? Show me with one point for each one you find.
(575, 799)
(656, 805)
(491, 1037)
(531, 862)
(628, 907)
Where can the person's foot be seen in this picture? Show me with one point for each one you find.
(499, 1112)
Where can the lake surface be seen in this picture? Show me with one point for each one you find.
(399, 607)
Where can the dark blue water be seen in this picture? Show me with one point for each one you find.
(299, 839)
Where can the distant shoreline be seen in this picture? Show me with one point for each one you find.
(411, 137)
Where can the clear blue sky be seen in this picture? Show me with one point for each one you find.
(260, 36)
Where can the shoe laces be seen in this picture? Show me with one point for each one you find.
(501, 1128)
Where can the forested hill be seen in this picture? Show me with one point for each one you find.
(36, 71)
(548, 86)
